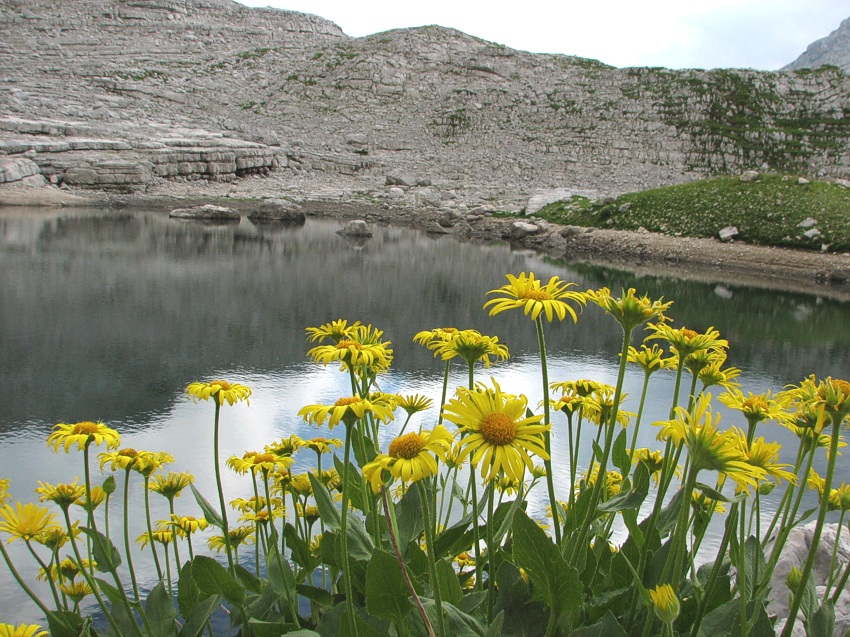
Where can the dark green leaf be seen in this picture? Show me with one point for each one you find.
(809, 603)
(301, 554)
(597, 452)
(281, 576)
(160, 611)
(555, 582)
(188, 593)
(197, 619)
(260, 606)
(458, 623)
(315, 594)
(386, 591)
(213, 579)
(448, 582)
(363, 628)
(250, 581)
(495, 629)
(360, 543)
(212, 516)
(822, 623)
(620, 454)
(64, 623)
(669, 515)
(717, 622)
(355, 484)
(411, 524)
(327, 509)
(608, 626)
(455, 539)
(260, 628)
(105, 554)
(116, 596)
(109, 485)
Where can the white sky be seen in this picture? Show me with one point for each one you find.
(759, 34)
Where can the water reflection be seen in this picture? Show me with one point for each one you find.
(108, 315)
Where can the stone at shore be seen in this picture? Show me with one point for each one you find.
(355, 228)
(207, 212)
(749, 176)
(16, 169)
(277, 211)
(728, 233)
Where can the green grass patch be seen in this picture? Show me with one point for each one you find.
(768, 211)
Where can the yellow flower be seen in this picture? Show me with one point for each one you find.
(4, 491)
(82, 434)
(25, 521)
(665, 602)
(613, 481)
(301, 485)
(507, 485)
(759, 407)
(834, 395)
(629, 310)
(121, 459)
(714, 374)
(239, 535)
(22, 630)
(323, 445)
(653, 460)
(496, 431)
(263, 462)
(362, 347)
(98, 495)
(188, 523)
(765, 456)
(335, 330)
(220, 391)
(55, 537)
(147, 462)
(62, 494)
(684, 341)
(704, 505)
(286, 446)
(567, 404)
(347, 410)
(163, 536)
(309, 513)
(582, 388)
(77, 591)
(316, 545)
(650, 359)
(411, 457)
(254, 503)
(529, 294)
(600, 406)
(170, 486)
(709, 448)
(470, 345)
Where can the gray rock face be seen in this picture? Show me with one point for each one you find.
(126, 94)
(834, 49)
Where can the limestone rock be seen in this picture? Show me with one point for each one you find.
(728, 233)
(802, 181)
(429, 197)
(400, 179)
(808, 222)
(17, 168)
(522, 229)
(541, 198)
(749, 176)
(207, 212)
(355, 228)
(396, 193)
(277, 211)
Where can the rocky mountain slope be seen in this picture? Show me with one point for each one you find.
(124, 94)
(834, 49)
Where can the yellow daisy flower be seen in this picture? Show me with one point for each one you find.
(82, 434)
(316, 545)
(98, 496)
(188, 523)
(22, 630)
(629, 310)
(220, 391)
(684, 341)
(362, 347)
(301, 485)
(147, 462)
(529, 294)
(62, 494)
(765, 455)
(170, 486)
(496, 432)
(4, 491)
(263, 462)
(582, 387)
(665, 603)
(411, 457)
(650, 359)
(286, 446)
(323, 445)
(77, 591)
(25, 521)
(163, 536)
(758, 407)
(470, 345)
(347, 410)
(55, 537)
(254, 503)
(335, 330)
(238, 536)
(120, 459)
(715, 374)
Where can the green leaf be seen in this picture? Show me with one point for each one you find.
(281, 576)
(458, 623)
(327, 509)
(620, 454)
(64, 623)
(188, 593)
(823, 621)
(213, 579)
(160, 611)
(363, 628)
(630, 498)
(300, 549)
(315, 594)
(250, 581)
(105, 554)
(717, 622)
(448, 582)
(608, 626)
(360, 543)
(212, 516)
(408, 511)
(669, 515)
(809, 603)
(260, 628)
(555, 582)
(197, 619)
(455, 539)
(116, 596)
(356, 486)
(495, 629)
(386, 591)
(754, 557)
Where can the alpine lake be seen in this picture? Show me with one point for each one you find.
(107, 316)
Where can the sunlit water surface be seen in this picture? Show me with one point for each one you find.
(107, 316)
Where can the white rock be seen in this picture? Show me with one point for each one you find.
(802, 181)
(808, 222)
(355, 228)
(728, 233)
(541, 198)
(396, 193)
(207, 211)
(749, 175)
(521, 229)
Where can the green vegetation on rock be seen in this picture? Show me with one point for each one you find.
(772, 210)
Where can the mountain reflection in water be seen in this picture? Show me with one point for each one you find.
(108, 315)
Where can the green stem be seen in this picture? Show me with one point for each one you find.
(547, 437)
(491, 556)
(222, 505)
(346, 571)
(432, 564)
(445, 390)
(127, 544)
(44, 609)
(151, 543)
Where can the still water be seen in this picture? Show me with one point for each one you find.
(108, 315)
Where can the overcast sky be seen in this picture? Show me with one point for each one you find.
(759, 34)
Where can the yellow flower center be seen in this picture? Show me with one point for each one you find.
(407, 446)
(841, 387)
(536, 295)
(263, 457)
(87, 427)
(754, 404)
(346, 343)
(688, 334)
(349, 400)
(498, 429)
(221, 383)
(128, 453)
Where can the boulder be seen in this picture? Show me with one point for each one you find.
(803, 181)
(522, 229)
(808, 222)
(728, 233)
(16, 169)
(277, 211)
(749, 175)
(396, 193)
(401, 179)
(207, 212)
(429, 197)
(355, 228)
